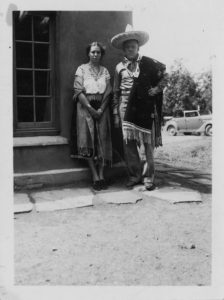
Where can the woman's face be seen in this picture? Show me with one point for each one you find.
(95, 54)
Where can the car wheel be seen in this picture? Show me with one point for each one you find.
(171, 130)
(208, 130)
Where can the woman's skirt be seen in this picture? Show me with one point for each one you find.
(93, 136)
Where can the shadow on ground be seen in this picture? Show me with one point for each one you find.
(167, 175)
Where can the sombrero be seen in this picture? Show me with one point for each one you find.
(141, 36)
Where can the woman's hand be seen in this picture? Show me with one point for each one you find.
(95, 114)
(100, 112)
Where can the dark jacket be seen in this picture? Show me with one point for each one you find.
(142, 109)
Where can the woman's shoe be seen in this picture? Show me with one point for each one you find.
(103, 184)
(96, 185)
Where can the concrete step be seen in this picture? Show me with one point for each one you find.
(60, 177)
(40, 158)
(44, 153)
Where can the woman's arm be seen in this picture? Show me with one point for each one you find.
(80, 96)
(85, 103)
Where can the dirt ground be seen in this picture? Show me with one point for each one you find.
(186, 151)
(151, 242)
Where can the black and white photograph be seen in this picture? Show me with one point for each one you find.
(110, 126)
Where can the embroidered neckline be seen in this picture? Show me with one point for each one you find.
(95, 75)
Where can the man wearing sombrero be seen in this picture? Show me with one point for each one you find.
(137, 104)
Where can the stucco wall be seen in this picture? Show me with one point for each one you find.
(74, 30)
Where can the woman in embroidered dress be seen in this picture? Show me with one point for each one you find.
(92, 91)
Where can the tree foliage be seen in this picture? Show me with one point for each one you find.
(186, 92)
(204, 91)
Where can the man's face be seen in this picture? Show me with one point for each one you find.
(131, 49)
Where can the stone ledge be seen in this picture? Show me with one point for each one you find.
(62, 199)
(60, 177)
(50, 178)
(22, 203)
(50, 172)
(39, 141)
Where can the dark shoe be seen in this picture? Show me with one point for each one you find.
(96, 185)
(150, 186)
(131, 183)
(103, 184)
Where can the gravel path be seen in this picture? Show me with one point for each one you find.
(151, 242)
(148, 243)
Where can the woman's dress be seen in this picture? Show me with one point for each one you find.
(91, 138)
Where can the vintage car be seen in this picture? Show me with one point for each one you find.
(188, 122)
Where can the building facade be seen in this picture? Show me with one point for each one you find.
(48, 46)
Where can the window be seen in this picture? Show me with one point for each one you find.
(178, 114)
(191, 114)
(34, 95)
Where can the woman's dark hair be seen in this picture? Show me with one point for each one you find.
(102, 48)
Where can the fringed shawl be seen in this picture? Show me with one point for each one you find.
(143, 116)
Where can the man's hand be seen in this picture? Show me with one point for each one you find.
(116, 121)
(153, 91)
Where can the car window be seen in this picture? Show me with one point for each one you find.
(191, 114)
(178, 114)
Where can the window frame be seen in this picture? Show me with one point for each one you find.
(45, 127)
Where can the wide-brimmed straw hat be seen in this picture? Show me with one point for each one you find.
(141, 36)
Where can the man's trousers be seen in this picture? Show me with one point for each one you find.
(139, 171)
